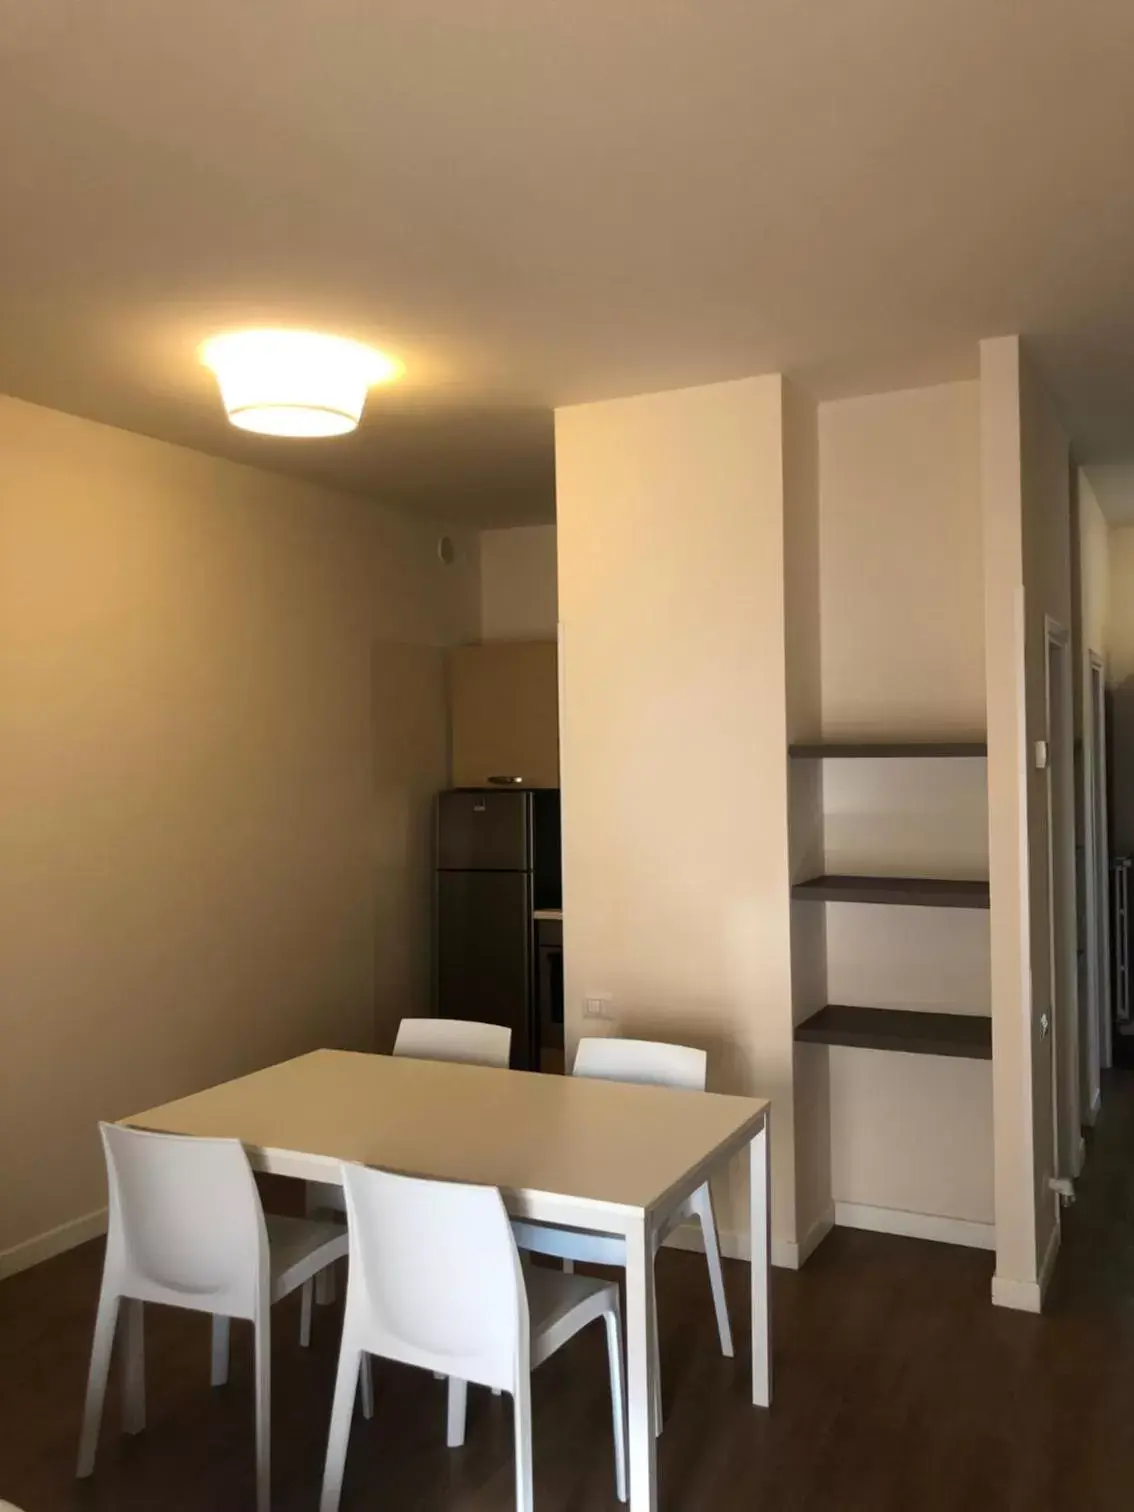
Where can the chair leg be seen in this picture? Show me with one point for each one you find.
(306, 1297)
(325, 1286)
(456, 1413)
(522, 1417)
(655, 1366)
(703, 1206)
(101, 1347)
(342, 1411)
(325, 1280)
(366, 1377)
(134, 1373)
(263, 1412)
(617, 1396)
(218, 1373)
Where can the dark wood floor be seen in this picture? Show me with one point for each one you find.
(897, 1386)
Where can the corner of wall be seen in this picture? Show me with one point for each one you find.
(811, 1100)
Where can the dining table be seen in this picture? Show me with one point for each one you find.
(611, 1157)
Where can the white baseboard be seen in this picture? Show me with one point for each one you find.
(1047, 1269)
(1027, 1296)
(1020, 1296)
(43, 1246)
(797, 1255)
(881, 1220)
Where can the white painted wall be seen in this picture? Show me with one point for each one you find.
(222, 721)
(674, 733)
(1120, 678)
(1026, 504)
(1090, 594)
(1120, 605)
(518, 591)
(903, 656)
(1094, 551)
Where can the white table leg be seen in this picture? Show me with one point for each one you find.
(640, 1396)
(760, 1224)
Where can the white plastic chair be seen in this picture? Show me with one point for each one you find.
(187, 1229)
(436, 1282)
(454, 1040)
(648, 1061)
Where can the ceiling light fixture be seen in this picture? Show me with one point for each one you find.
(295, 383)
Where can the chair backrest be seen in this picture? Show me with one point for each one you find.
(186, 1224)
(630, 1060)
(454, 1040)
(435, 1276)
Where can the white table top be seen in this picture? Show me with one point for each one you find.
(548, 1142)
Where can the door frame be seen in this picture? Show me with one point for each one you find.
(1099, 840)
(1062, 923)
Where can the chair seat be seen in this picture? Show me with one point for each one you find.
(560, 1305)
(300, 1248)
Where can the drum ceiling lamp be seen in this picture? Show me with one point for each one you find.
(295, 383)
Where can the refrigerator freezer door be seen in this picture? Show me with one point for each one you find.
(484, 965)
(484, 831)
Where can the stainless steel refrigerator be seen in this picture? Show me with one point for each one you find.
(498, 861)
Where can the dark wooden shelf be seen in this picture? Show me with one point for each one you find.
(961, 749)
(967, 1036)
(913, 892)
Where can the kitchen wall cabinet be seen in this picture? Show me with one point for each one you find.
(505, 713)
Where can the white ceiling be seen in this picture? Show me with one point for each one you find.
(534, 202)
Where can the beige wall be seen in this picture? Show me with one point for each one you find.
(902, 620)
(221, 719)
(1026, 501)
(902, 611)
(518, 598)
(912, 1134)
(808, 921)
(674, 730)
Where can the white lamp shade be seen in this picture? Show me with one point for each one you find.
(294, 383)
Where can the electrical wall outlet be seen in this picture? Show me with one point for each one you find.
(599, 1005)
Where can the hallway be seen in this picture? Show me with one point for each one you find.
(898, 1387)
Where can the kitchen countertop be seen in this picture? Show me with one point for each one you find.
(548, 913)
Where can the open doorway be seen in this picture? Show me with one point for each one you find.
(1057, 1073)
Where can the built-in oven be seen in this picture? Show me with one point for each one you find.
(549, 993)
